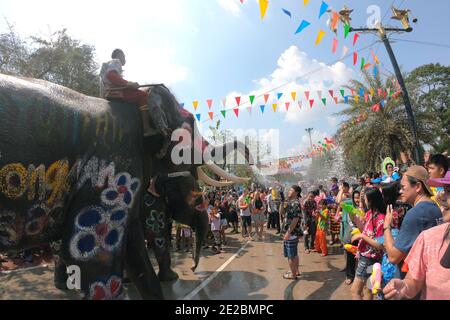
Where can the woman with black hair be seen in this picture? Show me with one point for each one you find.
(369, 250)
(347, 227)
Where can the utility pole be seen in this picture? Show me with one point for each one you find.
(401, 15)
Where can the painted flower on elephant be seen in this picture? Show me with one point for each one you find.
(99, 231)
(111, 290)
(155, 222)
(122, 192)
(37, 218)
(8, 233)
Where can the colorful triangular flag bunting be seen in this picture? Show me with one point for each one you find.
(319, 37)
(323, 9)
(279, 95)
(198, 115)
(355, 38)
(262, 108)
(236, 111)
(335, 44)
(263, 4)
(311, 102)
(302, 26)
(274, 106)
(224, 113)
(195, 104)
(252, 98)
(209, 103)
(346, 30)
(211, 115)
(294, 95)
(266, 97)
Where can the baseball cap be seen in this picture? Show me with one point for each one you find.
(419, 173)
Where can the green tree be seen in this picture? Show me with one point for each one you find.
(430, 90)
(369, 136)
(58, 58)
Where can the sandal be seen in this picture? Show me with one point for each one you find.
(307, 251)
(348, 281)
(288, 275)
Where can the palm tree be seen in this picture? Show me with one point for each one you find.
(370, 135)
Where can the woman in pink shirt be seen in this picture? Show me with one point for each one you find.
(429, 258)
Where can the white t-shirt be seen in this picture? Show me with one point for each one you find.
(105, 84)
(246, 212)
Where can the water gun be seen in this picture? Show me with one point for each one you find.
(247, 200)
(355, 231)
(375, 278)
(351, 248)
(347, 207)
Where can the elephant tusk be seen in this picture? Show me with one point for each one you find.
(179, 174)
(204, 177)
(228, 176)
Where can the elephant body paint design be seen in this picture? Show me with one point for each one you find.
(71, 170)
(110, 290)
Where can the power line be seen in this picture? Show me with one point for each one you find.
(298, 78)
(442, 45)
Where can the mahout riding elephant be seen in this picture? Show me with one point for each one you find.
(74, 169)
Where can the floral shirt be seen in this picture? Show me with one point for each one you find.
(292, 210)
(308, 210)
(373, 228)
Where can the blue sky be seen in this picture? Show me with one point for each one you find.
(216, 48)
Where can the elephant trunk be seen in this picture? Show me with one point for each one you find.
(201, 229)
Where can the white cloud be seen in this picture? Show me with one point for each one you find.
(232, 6)
(333, 121)
(296, 71)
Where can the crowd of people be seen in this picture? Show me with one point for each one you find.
(397, 219)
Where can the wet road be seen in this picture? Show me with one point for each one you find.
(248, 270)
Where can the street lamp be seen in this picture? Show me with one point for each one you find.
(310, 139)
(403, 17)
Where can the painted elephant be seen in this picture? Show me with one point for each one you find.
(73, 169)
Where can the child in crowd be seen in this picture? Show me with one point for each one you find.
(186, 237)
(335, 225)
(214, 219)
(322, 227)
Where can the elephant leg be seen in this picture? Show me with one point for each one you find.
(162, 248)
(93, 247)
(138, 265)
(60, 273)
